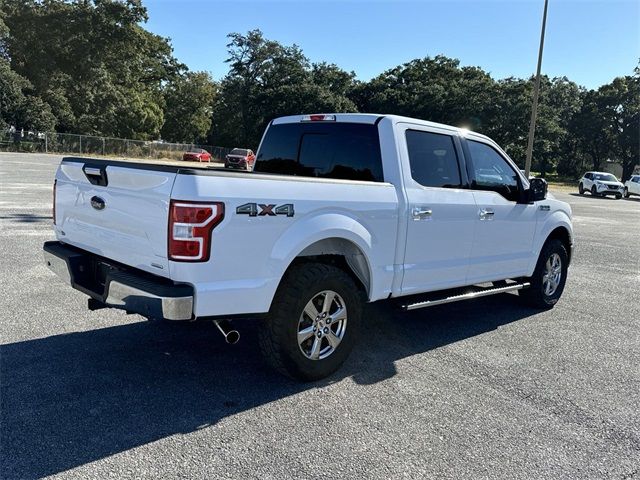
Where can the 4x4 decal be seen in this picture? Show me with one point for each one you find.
(270, 209)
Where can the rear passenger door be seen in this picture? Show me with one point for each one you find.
(505, 225)
(441, 209)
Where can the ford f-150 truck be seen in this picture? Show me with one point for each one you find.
(340, 210)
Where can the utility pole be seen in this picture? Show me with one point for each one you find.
(536, 92)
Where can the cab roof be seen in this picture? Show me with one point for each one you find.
(373, 118)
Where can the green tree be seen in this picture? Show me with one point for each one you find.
(18, 106)
(509, 114)
(622, 105)
(267, 80)
(437, 89)
(251, 56)
(560, 100)
(591, 128)
(89, 66)
(189, 99)
(607, 127)
(93, 63)
(440, 90)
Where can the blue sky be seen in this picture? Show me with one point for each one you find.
(591, 42)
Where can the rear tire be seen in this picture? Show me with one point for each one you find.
(549, 277)
(298, 308)
(581, 189)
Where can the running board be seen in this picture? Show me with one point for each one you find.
(479, 292)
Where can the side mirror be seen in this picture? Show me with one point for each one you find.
(537, 189)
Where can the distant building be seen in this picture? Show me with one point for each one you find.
(613, 167)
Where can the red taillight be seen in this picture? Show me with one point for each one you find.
(55, 182)
(190, 226)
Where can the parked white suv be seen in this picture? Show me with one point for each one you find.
(600, 184)
(341, 209)
(632, 186)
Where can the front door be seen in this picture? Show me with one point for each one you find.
(505, 227)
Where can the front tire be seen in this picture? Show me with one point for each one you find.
(594, 192)
(626, 192)
(581, 189)
(618, 196)
(549, 277)
(313, 322)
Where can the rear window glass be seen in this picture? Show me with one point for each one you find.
(348, 151)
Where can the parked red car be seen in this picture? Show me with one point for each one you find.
(240, 158)
(196, 155)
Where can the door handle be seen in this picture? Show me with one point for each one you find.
(486, 214)
(421, 213)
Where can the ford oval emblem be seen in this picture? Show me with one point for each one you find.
(97, 203)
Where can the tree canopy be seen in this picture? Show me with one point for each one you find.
(267, 80)
(188, 107)
(90, 67)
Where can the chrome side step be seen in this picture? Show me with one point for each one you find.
(480, 292)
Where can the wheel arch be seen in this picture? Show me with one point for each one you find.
(340, 252)
(557, 226)
(561, 233)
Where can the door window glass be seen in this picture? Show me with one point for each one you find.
(433, 159)
(492, 172)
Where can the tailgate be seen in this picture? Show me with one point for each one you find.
(117, 211)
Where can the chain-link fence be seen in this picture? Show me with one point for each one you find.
(69, 143)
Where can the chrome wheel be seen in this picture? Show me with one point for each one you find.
(552, 274)
(322, 325)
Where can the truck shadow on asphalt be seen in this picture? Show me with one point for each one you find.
(71, 399)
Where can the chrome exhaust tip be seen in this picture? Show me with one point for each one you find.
(230, 335)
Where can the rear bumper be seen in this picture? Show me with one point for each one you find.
(118, 286)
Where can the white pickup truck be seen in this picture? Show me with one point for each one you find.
(341, 209)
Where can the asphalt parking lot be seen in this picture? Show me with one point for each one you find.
(480, 389)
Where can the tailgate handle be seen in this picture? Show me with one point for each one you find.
(96, 175)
